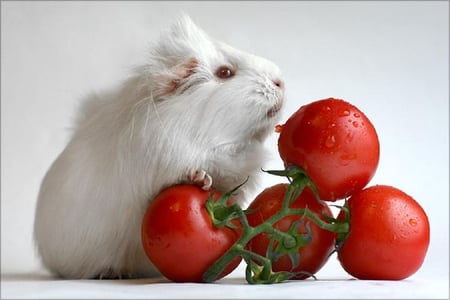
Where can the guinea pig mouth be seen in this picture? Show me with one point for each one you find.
(274, 110)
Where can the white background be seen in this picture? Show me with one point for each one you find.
(390, 59)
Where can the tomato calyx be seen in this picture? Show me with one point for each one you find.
(297, 177)
(290, 244)
(259, 268)
(221, 213)
(345, 221)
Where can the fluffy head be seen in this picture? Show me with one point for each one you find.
(209, 103)
(208, 97)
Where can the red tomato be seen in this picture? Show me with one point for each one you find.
(312, 256)
(178, 235)
(335, 143)
(389, 235)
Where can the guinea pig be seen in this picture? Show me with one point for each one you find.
(198, 111)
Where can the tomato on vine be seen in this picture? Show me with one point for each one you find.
(314, 244)
(179, 237)
(388, 236)
(330, 150)
(334, 142)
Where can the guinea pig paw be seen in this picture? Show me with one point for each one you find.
(201, 178)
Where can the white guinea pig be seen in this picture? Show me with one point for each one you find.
(198, 112)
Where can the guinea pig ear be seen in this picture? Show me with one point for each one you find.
(176, 54)
(183, 39)
(184, 29)
(168, 82)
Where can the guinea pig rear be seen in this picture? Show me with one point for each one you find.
(198, 106)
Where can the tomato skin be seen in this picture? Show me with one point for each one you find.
(179, 237)
(389, 235)
(335, 143)
(312, 256)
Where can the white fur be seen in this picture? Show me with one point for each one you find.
(130, 143)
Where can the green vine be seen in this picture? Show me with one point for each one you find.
(259, 268)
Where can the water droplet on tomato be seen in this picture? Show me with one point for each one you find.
(356, 115)
(349, 137)
(330, 141)
(355, 124)
(412, 222)
(175, 206)
(344, 113)
(332, 125)
(348, 157)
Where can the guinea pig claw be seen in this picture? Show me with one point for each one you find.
(201, 178)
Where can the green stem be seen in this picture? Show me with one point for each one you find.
(299, 181)
(250, 232)
(238, 248)
(333, 227)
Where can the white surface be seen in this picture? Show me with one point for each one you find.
(388, 58)
(234, 286)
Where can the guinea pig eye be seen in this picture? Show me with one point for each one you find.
(224, 72)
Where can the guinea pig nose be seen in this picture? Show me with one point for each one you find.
(278, 83)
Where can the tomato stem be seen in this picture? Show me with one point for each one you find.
(259, 268)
